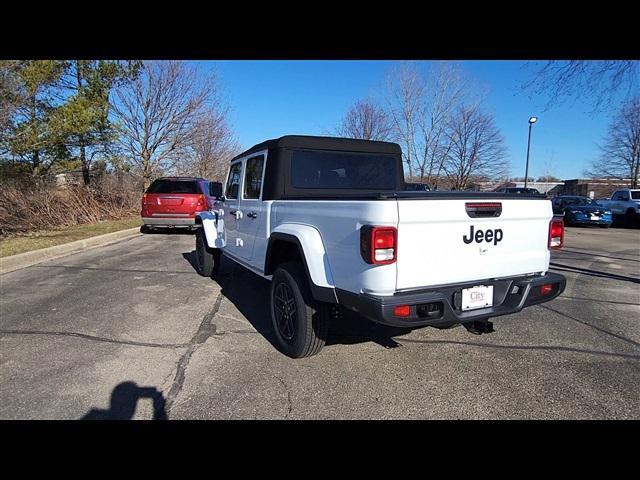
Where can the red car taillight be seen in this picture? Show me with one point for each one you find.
(378, 245)
(201, 201)
(556, 234)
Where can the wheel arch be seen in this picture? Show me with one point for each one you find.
(302, 242)
(213, 227)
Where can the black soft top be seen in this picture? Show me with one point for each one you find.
(323, 143)
(276, 180)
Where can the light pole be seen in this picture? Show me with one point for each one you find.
(532, 120)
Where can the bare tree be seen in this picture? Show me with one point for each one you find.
(620, 152)
(157, 114)
(405, 94)
(421, 108)
(212, 147)
(598, 81)
(367, 121)
(476, 151)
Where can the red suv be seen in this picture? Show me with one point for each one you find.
(174, 201)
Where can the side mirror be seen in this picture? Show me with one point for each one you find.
(215, 189)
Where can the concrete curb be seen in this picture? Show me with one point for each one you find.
(23, 260)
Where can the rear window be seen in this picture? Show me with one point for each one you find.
(174, 186)
(635, 195)
(342, 170)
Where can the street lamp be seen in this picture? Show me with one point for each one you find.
(532, 120)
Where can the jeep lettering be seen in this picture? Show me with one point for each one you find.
(488, 236)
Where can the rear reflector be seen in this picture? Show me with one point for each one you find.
(556, 233)
(402, 311)
(546, 289)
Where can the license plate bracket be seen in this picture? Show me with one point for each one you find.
(479, 296)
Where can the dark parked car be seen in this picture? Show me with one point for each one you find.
(417, 187)
(174, 201)
(527, 191)
(580, 210)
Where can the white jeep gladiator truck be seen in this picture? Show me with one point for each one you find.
(329, 222)
(624, 203)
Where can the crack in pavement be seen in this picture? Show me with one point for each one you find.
(93, 338)
(206, 329)
(290, 403)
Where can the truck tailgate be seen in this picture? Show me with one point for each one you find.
(440, 243)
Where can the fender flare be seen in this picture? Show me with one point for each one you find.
(213, 226)
(314, 257)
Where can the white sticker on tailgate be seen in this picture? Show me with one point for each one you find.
(479, 296)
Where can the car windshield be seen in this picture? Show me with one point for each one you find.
(174, 186)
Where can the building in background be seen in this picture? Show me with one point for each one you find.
(593, 187)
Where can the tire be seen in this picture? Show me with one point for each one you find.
(605, 226)
(301, 332)
(145, 229)
(630, 218)
(207, 259)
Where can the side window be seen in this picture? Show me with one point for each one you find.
(253, 177)
(233, 182)
(615, 196)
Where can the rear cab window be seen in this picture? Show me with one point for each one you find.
(311, 169)
(164, 186)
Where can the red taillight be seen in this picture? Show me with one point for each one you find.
(378, 245)
(201, 201)
(556, 234)
(546, 289)
(384, 238)
(402, 311)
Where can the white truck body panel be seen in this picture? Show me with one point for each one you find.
(338, 223)
(431, 250)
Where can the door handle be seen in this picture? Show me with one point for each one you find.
(252, 215)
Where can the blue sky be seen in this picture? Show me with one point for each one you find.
(273, 98)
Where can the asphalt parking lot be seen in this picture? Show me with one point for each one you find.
(131, 331)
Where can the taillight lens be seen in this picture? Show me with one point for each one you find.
(556, 234)
(201, 201)
(378, 245)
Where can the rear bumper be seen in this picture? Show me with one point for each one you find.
(169, 222)
(509, 296)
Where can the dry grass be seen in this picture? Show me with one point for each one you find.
(35, 206)
(48, 238)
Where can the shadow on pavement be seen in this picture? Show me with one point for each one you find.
(592, 273)
(191, 258)
(167, 231)
(249, 293)
(124, 399)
